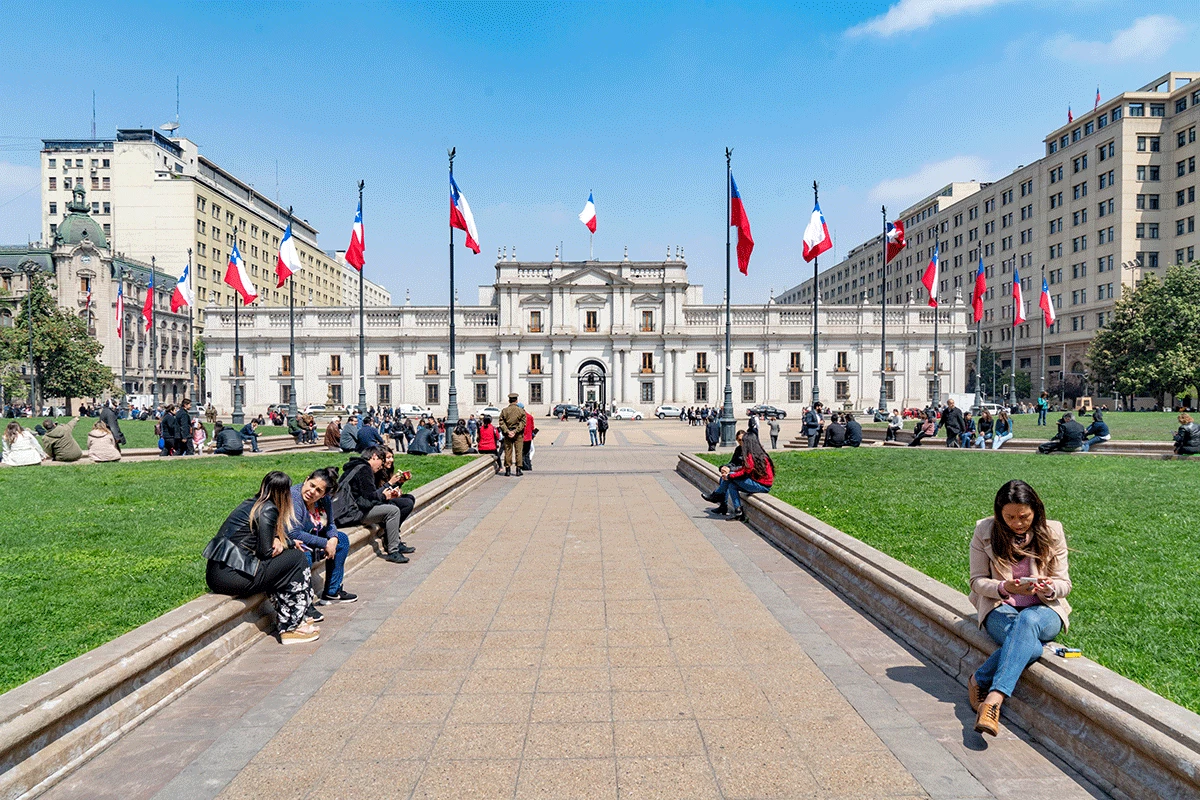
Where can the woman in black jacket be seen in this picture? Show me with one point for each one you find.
(1187, 438)
(252, 553)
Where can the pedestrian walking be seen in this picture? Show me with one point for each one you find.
(952, 423)
(602, 428)
(773, 427)
(712, 433)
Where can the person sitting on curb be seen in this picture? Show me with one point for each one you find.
(333, 434)
(21, 447)
(1187, 438)
(984, 428)
(294, 430)
(368, 435)
(853, 431)
(313, 525)
(736, 461)
(249, 434)
(1003, 429)
(460, 440)
(893, 426)
(924, 429)
(59, 441)
(101, 445)
(1098, 430)
(488, 442)
(389, 481)
(835, 434)
(1019, 584)
(1068, 439)
(226, 441)
(252, 553)
(755, 476)
(967, 437)
(369, 504)
(348, 440)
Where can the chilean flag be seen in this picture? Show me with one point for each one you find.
(587, 216)
(1018, 299)
(235, 276)
(1070, 116)
(287, 263)
(148, 306)
(816, 235)
(980, 290)
(1047, 304)
(895, 241)
(356, 252)
(930, 278)
(182, 296)
(460, 216)
(738, 219)
(1097, 99)
(121, 310)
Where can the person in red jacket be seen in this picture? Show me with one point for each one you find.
(527, 447)
(489, 440)
(755, 476)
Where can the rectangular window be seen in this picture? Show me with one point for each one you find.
(433, 394)
(431, 364)
(647, 321)
(481, 394)
(535, 321)
(702, 362)
(535, 393)
(1158, 109)
(335, 365)
(701, 394)
(335, 393)
(385, 365)
(748, 362)
(53, 163)
(535, 363)
(53, 184)
(385, 394)
(747, 391)
(841, 390)
(53, 210)
(481, 364)
(285, 365)
(591, 321)
(794, 362)
(647, 391)
(843, 361)
(647, 362)
(1137, 109)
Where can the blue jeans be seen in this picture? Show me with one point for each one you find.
(747, 485)
(1094, 440)
(1020, 635)
(1041, 416)
(335, 568)
(253, 440)
(965, 438)
(593, 435)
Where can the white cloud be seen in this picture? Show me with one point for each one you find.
(929, 178)
(913, 15)
(1146, 38)
(19, 203)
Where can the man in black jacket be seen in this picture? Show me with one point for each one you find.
(953, 423)
(109, 417)
(1069, 437)
(712, 433)
(166, 429)
(853, 432)
(835, 434)
(183, 428)
(812, 425)
(226, 440)
(358, 475)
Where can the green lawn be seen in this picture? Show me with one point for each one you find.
(88, 552)
(138, 433)
(1137, 426)
(1134, 560)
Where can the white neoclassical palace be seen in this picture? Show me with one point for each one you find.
(631, 333)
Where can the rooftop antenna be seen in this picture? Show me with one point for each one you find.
(93, 113)
(171, 127)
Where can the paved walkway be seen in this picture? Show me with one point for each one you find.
(586, 631)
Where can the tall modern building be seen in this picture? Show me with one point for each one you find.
(1112, 197)
(158, 196)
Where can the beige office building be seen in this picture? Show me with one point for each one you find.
(157, 197)
(1112, 197)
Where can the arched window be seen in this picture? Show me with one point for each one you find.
(6, 318)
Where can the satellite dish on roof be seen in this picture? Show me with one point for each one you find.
(169, 127)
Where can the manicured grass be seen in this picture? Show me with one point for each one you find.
(138, 433)
(1135, 426)
(1130, 524)
(88, 552)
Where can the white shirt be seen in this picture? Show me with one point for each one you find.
(593, 424)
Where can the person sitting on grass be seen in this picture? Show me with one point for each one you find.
(21, 447)
(59, 441)
(1019, 584)
(1069, 437)
(102, 446)
(313, 525)
(853, 431)
(1187, 438)
(1098, 430)
(755, 476)
(226, 440)
(1004, 429)
(252, 553)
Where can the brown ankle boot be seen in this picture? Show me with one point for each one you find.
(975, 694)
(988, 720)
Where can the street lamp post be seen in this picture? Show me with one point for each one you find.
(153, 298)
(728, 424)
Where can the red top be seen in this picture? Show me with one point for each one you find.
(747, 471)
(528, 427)
(487, 437)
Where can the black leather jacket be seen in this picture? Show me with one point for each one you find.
(1188, 435)
(242, 543)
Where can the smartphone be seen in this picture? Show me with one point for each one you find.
(406, 475)
(1028, 581)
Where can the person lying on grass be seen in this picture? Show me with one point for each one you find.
(1019, 585)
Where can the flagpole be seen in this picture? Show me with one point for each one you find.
(979, 342)
(452, 397)
(937, 312)
(191, 334)
(121, 323)
(591, 246)
(1043, 344)
(153, 338)
(362, 350)
(292, 409)
(1012, 387)
(727, 421)
(237, 418)
(816, 392)
(881, 408)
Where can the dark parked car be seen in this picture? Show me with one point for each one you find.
(767, 412)
(568, 410)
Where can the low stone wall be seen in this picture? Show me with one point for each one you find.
(1113, 447)
(59, 720)
(1127, 740)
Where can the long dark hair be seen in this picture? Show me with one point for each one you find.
(276, 488)
(752, 450)
(327, 476)
(1004, 541)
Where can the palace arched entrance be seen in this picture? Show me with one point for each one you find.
(593, 384)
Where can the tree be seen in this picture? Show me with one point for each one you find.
(1152, 345)
(65, 357)
(996, 377)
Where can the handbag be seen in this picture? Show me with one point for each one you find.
(343, 505)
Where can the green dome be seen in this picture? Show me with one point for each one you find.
(76, 227)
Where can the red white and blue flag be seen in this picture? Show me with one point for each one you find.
(1018, 299)
(588, 215)
(930, 278)
(88, 306)
(237, 277)
(1070, 116)
(1047, 304)
(121, 310)
(460, 216)
(895, 241)
(357, 251)
(182, 296)
(816, 235)
(740, 220)
(148, 306)
(287, 263)
(1097, 99)
(980, 290)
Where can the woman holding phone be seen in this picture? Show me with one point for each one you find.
(390, 483)
(1019, 584)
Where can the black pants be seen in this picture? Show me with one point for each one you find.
(602, 433)
(285, 578)
(774, 440)
(916, 440)
(525, 448)
(1187, 451)
(712, 446)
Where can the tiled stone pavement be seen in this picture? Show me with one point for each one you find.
(586, 631)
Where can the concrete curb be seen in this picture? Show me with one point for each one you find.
(1126, 739)
(1123, 447)
(57, 721)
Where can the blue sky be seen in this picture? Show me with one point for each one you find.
(879, 101)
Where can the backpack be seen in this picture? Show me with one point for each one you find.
(343, 505)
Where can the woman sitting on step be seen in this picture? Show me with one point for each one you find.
(252, 553)
(1019, 585)
(754, 476)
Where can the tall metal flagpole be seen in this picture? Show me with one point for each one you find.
(153, 336)
(362, 349)
(816, 392)
(121, 287)
(191, 333)
(937, 312)
(452, 397)
(293, 411)
(882, 407)
(727, 422)
(1043, 346)
(237, 418)
(1012, 387)
(978, 343)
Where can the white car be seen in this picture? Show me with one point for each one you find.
(626, 413)
(314, 409)
(662, 412)
(408, 410)
(491, 411)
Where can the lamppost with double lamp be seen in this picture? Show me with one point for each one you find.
(29, 268)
